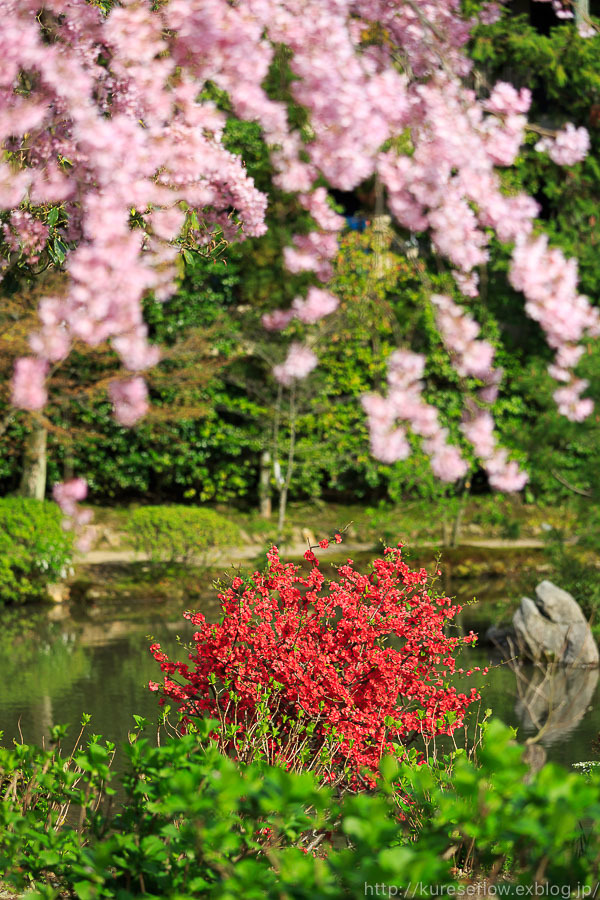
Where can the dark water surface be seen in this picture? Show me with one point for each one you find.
(93, 657)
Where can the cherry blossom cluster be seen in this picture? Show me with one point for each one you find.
(130, 399)
(549, 282)
(404, 401)
(586, 29)
(364, 661)
(567, 147)
(299, 362)
(105, 116)
(25, 235)
(503, 474)
(29, 383)
(562, 8)
(318, 303)
(312, 253)
(68, 495)
(450, 186)
(470, 355)
(105, 140)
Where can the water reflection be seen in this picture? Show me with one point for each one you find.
(56, 670)
(552, 701)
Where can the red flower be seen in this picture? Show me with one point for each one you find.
(362, 664)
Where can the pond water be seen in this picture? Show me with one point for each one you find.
(93, 657)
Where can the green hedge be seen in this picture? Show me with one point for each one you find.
(196, 824)
(180, 533)
(34, 549)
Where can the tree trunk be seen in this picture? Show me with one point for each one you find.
(446, 531)
(264, 485)
(582, 12)
(283, 495)
(457, 526)
(33, 479)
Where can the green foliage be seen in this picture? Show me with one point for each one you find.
(178, 533)
(34, 549)
(193, 823)
(495, 814)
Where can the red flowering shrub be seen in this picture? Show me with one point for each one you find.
(327, 676)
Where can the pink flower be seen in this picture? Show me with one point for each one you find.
(390, 446)
(569, 401)
(568, 356)
(278, 319)
(299, 362)
(490, 13)
(405, 367)
(504, 474)
(134, 349)
(130, 400)
(448, 465)
(506, 100)
(459, 331)
(477, 359)
(585, 30)
(318, 303)
(467, 284)
(480, 433)
(74, 491)
(509, 479)
(67, 495)
(568, 147)
(28, 384)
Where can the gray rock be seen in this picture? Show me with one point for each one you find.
(552, 627)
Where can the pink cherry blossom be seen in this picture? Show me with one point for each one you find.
(503, 474)
(28, 384)
(447, 464)
(404, 401)
(299, 362)
(586, 30)
(391, 446)
(120, 97)
(479, 431)
(467, 284)
(570, 403)
(459, 331)
(278, 319)
(507, 100)
(130, 400)
(568, 147)
(318, 303)
(490, 13)
(69, 493)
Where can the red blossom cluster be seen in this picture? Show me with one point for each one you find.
(363, 661)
